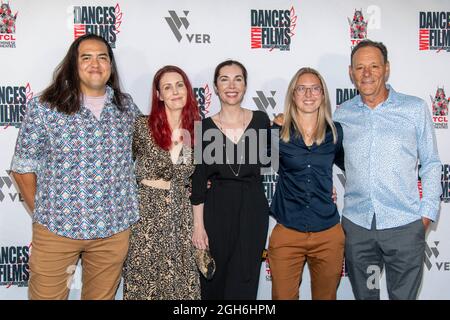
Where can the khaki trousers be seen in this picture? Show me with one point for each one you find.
(290, 249)
(54, 258)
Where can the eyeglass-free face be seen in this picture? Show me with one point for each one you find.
(94, 67)
(173, 91)
(231, 85)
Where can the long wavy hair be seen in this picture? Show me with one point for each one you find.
(324, 118)
(64, 93)
(157, 121)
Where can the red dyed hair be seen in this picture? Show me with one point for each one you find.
(157, 122)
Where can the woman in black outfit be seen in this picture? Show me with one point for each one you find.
(231, 217)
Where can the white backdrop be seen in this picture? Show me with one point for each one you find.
(197, 35)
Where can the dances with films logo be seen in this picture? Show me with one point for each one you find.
(344, 94)
(7, 26)
(269, 184)
(439, 106)
(13, 100)
(179, 23)
(272, 29)
(203, 97)
(100, 20)
(265, 260)
(14, 269)
(434, 31)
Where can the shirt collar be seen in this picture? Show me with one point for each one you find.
(392, 97)
(108, 99)
(109, 95)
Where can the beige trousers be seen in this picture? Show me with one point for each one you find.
(54, 258)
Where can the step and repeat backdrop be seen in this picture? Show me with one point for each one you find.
(273, 39)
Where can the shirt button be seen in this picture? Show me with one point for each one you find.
(309, 181)
(307, 207)
(309, 166)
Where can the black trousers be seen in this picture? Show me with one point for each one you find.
(236, 220)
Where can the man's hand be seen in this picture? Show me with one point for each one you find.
(426, 222)
(26, 183)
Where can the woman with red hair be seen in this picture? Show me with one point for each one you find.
(161, 263)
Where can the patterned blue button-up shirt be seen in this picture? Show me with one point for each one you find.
(86, 187)
(382, 147)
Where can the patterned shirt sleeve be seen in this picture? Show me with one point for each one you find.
(430, 169)
(30, 146)
(132, 106)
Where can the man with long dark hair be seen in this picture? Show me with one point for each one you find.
(74, 168)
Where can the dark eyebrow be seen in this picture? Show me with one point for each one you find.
(99, 55)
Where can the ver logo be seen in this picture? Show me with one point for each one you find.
(429, 253)
(6, 181)
(175, 23)
(263, 102)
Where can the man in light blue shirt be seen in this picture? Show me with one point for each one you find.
(386, 135)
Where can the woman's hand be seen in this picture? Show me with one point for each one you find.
(200, 238)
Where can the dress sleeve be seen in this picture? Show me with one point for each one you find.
(199, 184)
(200, 175)
(339, 155)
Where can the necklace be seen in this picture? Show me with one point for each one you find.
(308, 135)
(176, 139)
(226, 155)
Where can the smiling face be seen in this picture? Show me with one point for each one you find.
(369, 73)
(172, 91)
(94, 67)
(308, 94)
(230, 85)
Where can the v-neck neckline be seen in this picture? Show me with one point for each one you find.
(243, 133)
(180, 154)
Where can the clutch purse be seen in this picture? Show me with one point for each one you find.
(205, 263)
